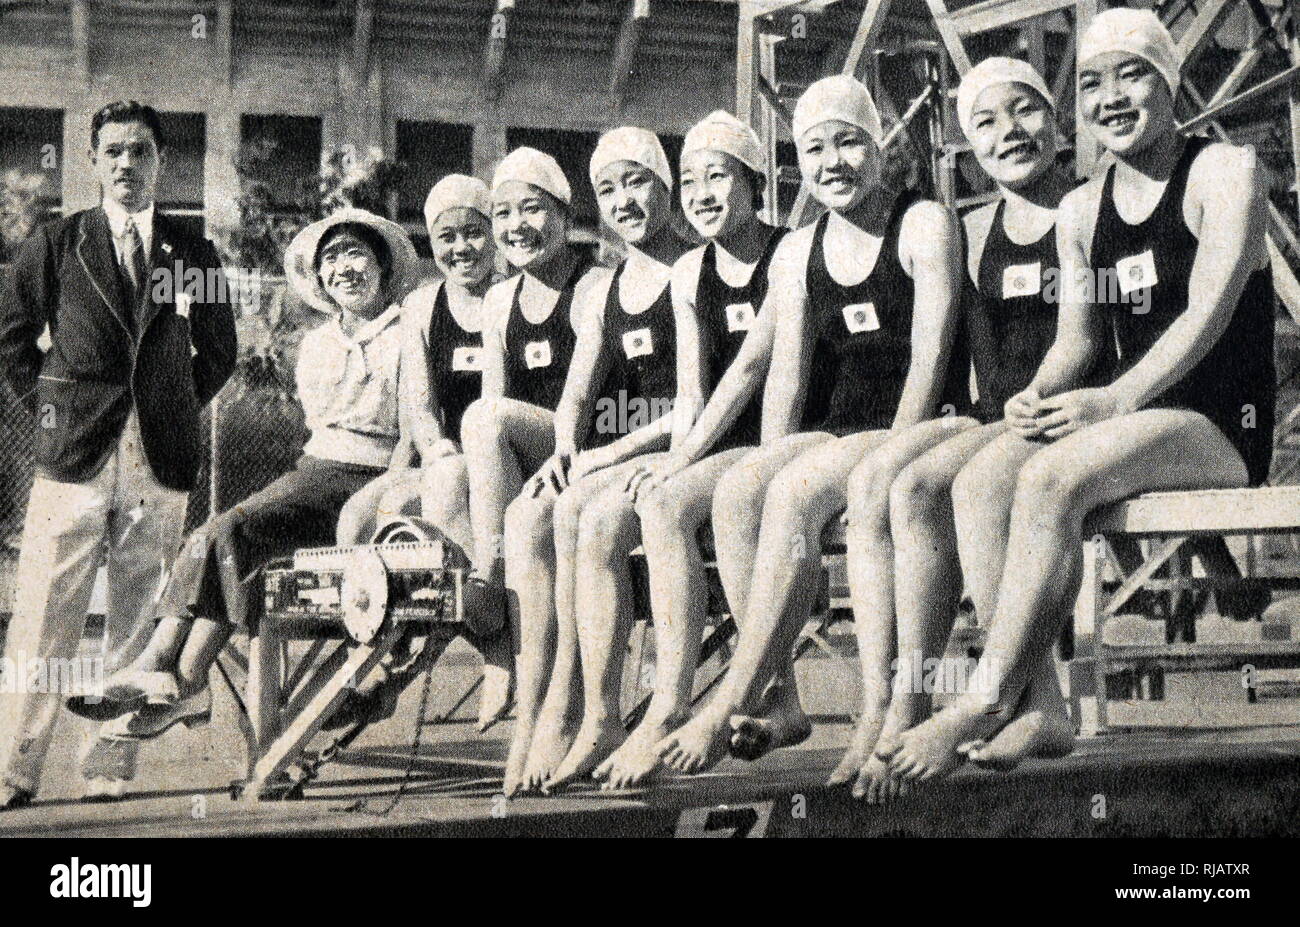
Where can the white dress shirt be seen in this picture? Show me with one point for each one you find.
(117, 217)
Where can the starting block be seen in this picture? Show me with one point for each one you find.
(1167, 524)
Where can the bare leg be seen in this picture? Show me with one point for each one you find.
(1041, 728)
(801, 499)
(561, 711)
(1055, 492)
(504, 441)
(872, 566)
(444, 502)
(530, 585)
(671, 520)
(608, 530)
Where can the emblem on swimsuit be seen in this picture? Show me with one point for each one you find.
(1137, 272)
(467, 359)
(861, 317)
(638, 343)
(1022, 280)
(537, 354)
(740, 317)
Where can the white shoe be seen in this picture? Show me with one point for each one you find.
(104, 789)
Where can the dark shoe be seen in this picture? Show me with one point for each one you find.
(483, 604)
(153, 720)
(100, 708)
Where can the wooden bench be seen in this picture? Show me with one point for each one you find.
(1167, 523)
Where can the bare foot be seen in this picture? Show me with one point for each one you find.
(517, 758)
(552, 740)
(498, 681)
(1035, 733)
(929, 750)
(861, 744)
(781, 722)
(697, 745)
(875, 781)
(596, 739)
(637, 760)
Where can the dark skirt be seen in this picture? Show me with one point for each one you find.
(217, 574)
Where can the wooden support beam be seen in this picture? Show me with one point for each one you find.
(1287, 79)
(1293, 103)
(1203, 27)
(997, 14)
(867, 36)
(629, 40)
(80, 11)
(1247, 62)
(951, 37)
(495, 59)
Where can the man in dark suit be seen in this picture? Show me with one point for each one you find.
(140, 337)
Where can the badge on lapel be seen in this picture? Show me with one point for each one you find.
(184, 302)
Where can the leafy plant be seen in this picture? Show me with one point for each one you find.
(24, 202)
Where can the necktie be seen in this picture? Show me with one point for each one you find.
(133, 259)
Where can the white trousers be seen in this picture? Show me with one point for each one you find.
(123, 519)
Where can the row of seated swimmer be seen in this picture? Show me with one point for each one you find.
(817, 373)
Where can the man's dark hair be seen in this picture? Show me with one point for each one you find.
(127, 111)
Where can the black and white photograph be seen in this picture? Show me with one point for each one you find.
(651, 418)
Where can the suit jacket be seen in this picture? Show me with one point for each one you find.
(106, 356)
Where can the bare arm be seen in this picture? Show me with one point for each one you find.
(1080, 326)
(931, 250)
(691, 385)
(496, 313)
(588, 366)
(417, 394)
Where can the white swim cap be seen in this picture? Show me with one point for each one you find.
(721, 131)
(989, 73)
(630, 143)
(1138, 32)
(530, 166)
(457, 191)
(837, 97)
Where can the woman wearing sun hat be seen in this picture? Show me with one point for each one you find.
(355, 268)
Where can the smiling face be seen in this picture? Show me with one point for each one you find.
(716, 193)
(840, 163)
(1013, 134)
(632, 201)
(351, 274)
(528, 224)
(126, 162)
(461, 239)
(1125, 102)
